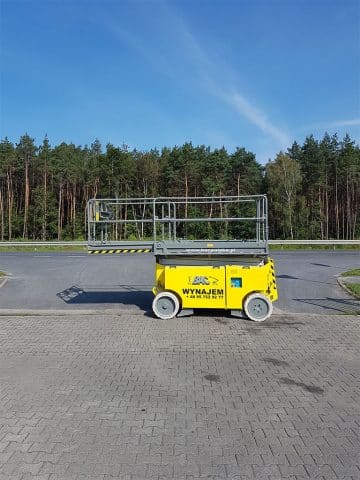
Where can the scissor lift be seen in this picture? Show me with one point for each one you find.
(211, 252)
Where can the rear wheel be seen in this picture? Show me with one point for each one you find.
(257, 307)
(166, 305)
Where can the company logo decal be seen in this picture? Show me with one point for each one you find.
(203, 280)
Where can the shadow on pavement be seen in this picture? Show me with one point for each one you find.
(287, 277)
(142, 297)
(341, 305)
(138, 295)
(307, 280)
(321, 265)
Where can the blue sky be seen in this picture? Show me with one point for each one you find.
(251, 73)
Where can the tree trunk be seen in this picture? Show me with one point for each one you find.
(291, 225)
(26, 197)
(337, 208)
(45, 203)
(74, 210)
(321, 213)
(348, 208)
(59, 213)
(326, 208)
(10, 197)
(2, 214)
(186, 195)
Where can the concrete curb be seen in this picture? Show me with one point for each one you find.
(341, 282)
(62, 312)
(3, 281)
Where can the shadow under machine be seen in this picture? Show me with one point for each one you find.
(211, 252)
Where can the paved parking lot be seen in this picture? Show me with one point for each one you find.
(131, 397)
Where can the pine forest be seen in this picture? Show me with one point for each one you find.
(313, 189)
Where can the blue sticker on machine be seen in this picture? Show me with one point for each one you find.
(236, 282)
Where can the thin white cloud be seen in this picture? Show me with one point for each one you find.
(216, 77)
(258, 118)
(209, 73)
(345, 123)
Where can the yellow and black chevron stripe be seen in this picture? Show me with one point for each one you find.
(133, 250)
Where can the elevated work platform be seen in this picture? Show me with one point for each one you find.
(180, 226)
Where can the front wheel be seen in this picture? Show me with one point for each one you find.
(257, 307)
(166, 305)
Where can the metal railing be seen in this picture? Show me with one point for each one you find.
(43, 243)
(171, 218)
(232, 225)
(314, 242)
(72, 243)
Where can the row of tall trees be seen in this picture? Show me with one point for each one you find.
(314, 188)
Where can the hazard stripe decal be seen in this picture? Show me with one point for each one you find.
(137, 250)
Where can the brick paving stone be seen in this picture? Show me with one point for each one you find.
(128, 397)
(27, 476)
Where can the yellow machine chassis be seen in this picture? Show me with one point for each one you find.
(225, 286)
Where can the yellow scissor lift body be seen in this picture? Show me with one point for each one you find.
(228, 269)
(224, 286)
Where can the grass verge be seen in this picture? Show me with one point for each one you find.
(314, 247)
(2, 274)
(354, 288)
(50, 248)
(355, 272)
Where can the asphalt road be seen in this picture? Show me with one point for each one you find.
(75, 281)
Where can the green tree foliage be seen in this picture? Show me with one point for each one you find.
(245, 173)
(314, 188)
(329, 198)
(25, 151)
(284, 181)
